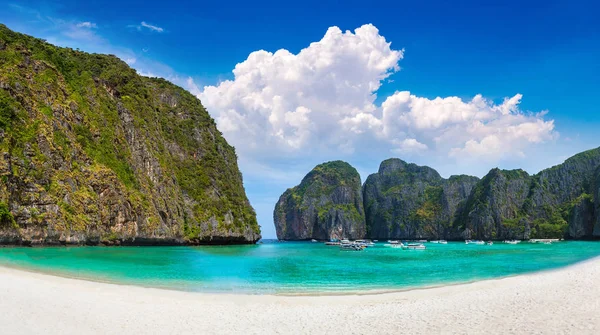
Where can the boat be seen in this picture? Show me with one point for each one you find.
(352, 247)
(413, 246)
(435, 241)
(345, 241)
(332, 243)
(544, 240)
(467, 241)
(477, 242)
(443, 242)
(314, 241)
(422, 241)
(489, 243)
(511, 241)
(393, 242)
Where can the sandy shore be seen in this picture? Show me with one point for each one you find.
(561, 301)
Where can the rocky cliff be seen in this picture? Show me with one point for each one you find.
(556, 202)
(327, 204)
(91, 153)
(409, 201)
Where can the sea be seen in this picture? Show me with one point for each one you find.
(297, 268)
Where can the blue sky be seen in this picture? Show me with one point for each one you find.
(346, 97)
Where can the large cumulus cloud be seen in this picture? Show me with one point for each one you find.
(322, 101)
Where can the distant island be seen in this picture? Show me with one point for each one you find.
(407, 201)
(93, 153)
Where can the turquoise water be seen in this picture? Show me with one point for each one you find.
(296, 267)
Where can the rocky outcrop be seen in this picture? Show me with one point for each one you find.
(92, 153)
(409, 201)
(581, 218)
(557, 202)
(327, 204)
(499, 196)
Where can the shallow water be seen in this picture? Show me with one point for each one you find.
(297, 267)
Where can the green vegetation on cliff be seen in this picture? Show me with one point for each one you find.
(326, 204)
(406, 201)
(90, 151)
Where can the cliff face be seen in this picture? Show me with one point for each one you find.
(327, 204)
(558, 202)
(498, 196)
(91, 152)
(409, 201)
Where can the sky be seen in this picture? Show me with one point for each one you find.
(461, 86)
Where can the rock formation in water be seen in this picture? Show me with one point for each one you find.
(409, 201)
(327, 204)
(93, 153)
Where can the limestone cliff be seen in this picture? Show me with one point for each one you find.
(91, 152)
(409, 201)
(557, 202)
(327, 204)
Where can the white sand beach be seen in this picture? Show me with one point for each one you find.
(561, 301)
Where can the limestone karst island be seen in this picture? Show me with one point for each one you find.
(299, 168)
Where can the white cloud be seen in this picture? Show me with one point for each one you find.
(322, 101)
(130, 61)
(86, 24)
(408, 145)
(475, 128)
(151, 27)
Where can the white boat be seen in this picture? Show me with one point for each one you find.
(422, 241)
(511, 241)
(544, 240)
(352, 247)
(435, 241)
(477, 242)
(413, 246)
(443, 242)
(489, 242)
(467, 241)
(393, 242)
(332, 243)
(314, 241)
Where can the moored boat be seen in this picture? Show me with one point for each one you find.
(413, 246)
(443, 242)
(352, 247)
